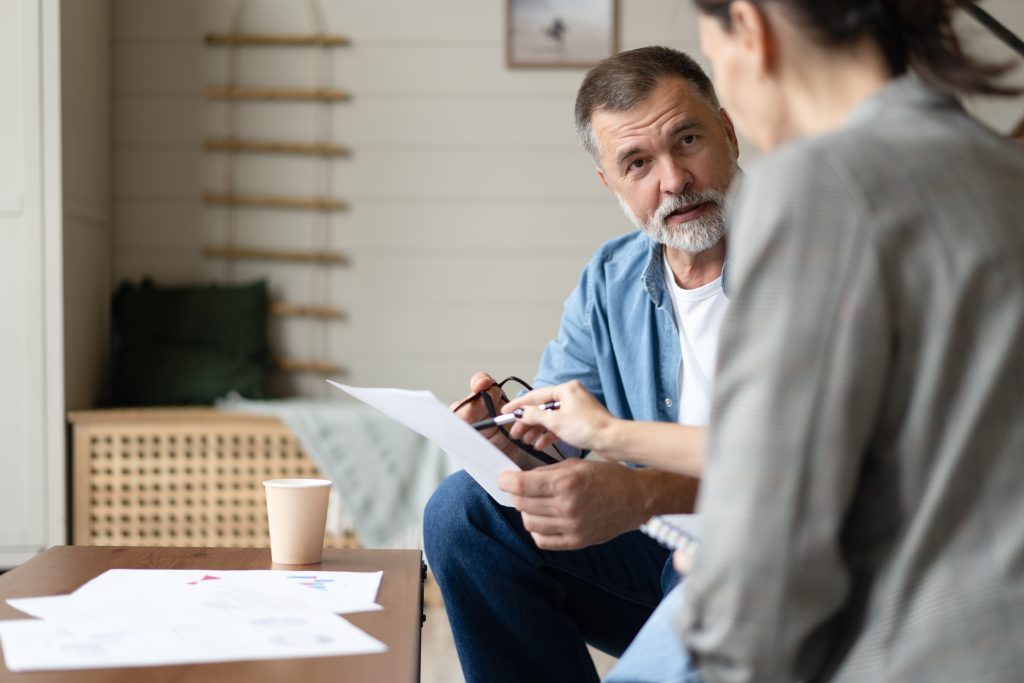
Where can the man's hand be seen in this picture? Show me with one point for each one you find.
(578, 503)
(474, 411)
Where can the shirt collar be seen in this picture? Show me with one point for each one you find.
(654, 274)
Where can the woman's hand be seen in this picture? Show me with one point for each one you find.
(580, 419)
(682, 561)
(583, 422)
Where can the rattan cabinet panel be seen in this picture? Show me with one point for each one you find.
(179, 476)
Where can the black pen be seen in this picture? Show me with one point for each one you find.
(510, 417)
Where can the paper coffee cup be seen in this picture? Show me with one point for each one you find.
(297, 512)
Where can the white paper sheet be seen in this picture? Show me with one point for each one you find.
(423, 413)
(184, 594)
(32, 645)
(339, 592)
(149, 617)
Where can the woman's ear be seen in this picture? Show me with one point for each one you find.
(754, 35)
(730, 133)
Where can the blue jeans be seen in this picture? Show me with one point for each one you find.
(657, 654)
(521, 614)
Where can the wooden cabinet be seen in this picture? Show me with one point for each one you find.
(180, 476)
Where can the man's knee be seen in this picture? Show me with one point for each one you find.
(452, 515)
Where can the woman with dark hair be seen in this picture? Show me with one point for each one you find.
(865, 478)
(864, 483)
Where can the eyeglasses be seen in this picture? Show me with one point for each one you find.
(514, 387)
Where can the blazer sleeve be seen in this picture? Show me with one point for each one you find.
(802, 358)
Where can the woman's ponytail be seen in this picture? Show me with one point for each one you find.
(935, 53)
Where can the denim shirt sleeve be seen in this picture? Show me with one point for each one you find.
(571, 354)
(617, 334)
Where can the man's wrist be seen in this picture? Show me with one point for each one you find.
(663, 493)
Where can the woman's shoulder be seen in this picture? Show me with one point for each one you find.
(909, 136)
(866, 159)
(797, 170)
(799, 191)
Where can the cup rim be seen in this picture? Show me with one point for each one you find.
(296, 483)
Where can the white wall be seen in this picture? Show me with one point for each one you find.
(472, 208)
(31, 406)
(88, 221)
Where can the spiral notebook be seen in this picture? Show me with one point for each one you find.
(675, 532)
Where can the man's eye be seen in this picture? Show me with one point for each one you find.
(636, 164)
(689, 139)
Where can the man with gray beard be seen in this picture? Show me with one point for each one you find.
(527, 588)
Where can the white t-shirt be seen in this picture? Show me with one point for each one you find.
(699, 314)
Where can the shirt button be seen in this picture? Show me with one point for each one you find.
(668, 402)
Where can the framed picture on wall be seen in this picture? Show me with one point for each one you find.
(560, 33)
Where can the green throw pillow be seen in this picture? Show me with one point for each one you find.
(189, 345)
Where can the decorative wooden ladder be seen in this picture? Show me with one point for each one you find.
(323, 150)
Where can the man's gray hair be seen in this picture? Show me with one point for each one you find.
(621, 81)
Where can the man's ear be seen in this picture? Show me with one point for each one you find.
(600, 174)
(730, 132)
(754, 33)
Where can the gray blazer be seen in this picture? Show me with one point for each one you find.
(865, 486)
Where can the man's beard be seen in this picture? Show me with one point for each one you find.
(695, 236)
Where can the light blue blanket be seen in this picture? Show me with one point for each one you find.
(383, 472)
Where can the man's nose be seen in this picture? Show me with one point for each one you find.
(675, 178)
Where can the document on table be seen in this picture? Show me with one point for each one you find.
(423, 413)
(144, 617)
(187, 593)
(33, 645)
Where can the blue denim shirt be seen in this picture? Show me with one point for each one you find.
(618, 333)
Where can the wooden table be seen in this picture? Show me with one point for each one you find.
(64, 568)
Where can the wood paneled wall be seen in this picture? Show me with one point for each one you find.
(472, 208)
